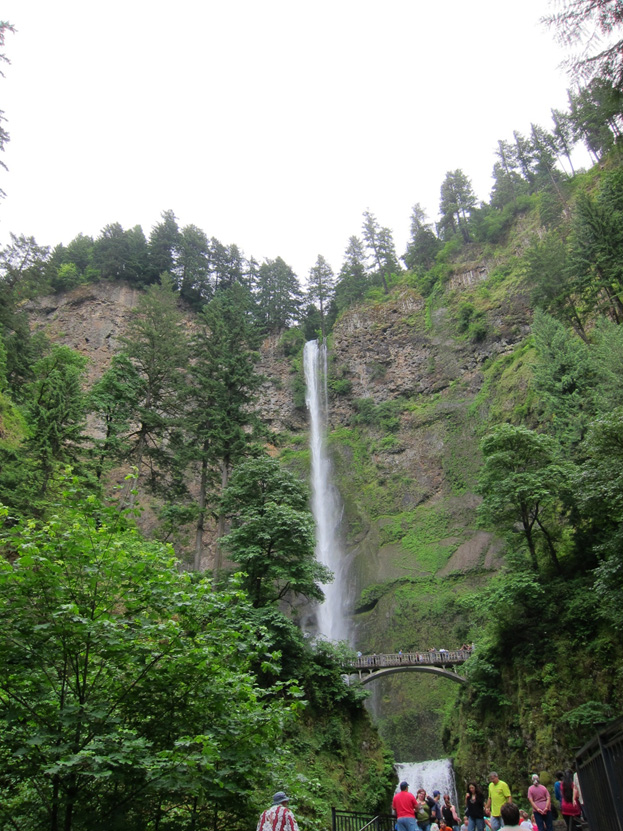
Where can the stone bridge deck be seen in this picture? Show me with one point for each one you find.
(442, 662)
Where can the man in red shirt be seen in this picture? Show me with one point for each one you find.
(404, 805)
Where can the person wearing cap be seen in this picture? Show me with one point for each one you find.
(404, 805)
(435, 808)
(278, 817)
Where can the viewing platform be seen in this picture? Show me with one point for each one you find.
(440, 662)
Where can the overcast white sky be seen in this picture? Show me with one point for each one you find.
(272, 124)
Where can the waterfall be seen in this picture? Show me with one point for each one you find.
(331, 620)
(434, 775)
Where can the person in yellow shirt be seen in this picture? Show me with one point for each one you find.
(499, 793)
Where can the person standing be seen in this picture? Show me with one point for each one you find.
(449, 814)
(570, 802)
(541, 801)
(558, 786)
(404, 805)
(475, 807)
(435, 807)
(278, 817)
(499, 793)
(422, 813)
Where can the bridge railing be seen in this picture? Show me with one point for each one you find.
(354, 821)
(396, 659)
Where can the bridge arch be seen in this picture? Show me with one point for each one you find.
(381, 673)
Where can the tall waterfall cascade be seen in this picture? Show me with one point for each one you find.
(434, 775)
(326, 505)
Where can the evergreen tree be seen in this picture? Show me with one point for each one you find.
(595, 258)
(24, 268)
(353, 279)
(156, 345)
(508, 182)
(122, 255)
(423, 246)
(381, 250)
(195, 282)
(164, 243)
(547, 265)
(524, 152)
(278, 296)
(55, 411)
(220, 417)
(595, 113)
(115, 399)
(456, 204)
(4, 136)
(599, 486)
(563, 136)
(564, 380)
(321, 287)
(589, 23)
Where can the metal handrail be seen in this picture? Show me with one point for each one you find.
(370, 823)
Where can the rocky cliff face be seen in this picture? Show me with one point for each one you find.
(407, 484)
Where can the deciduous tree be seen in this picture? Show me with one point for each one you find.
(521, 482)
(128, 692)
(272, 538)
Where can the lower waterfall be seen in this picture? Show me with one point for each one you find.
(434, 775)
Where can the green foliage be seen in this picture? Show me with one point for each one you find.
(340, 386)
(127, 690)
(55, 412)
(590, 714)
(292, 342)
(278, 296)
(420, 533)
(384, 416)
(522, 483)
(472, 322)
(564, 379)
(156, 346)
(272, 538)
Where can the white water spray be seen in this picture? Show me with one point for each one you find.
(331, 619)
(434, 775)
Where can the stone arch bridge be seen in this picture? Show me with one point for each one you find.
(438, 662)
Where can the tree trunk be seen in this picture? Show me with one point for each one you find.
(220, 528)
(203, 488)
(550, 547)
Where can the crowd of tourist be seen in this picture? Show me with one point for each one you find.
(491, 810)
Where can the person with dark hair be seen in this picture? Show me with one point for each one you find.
(278, 817)
(423, 811)
(404, 805)
(475, 807)
(509, 813)
(570, 802)
(435, 807)
(541, 801)
(558, 786)
(449, 814)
